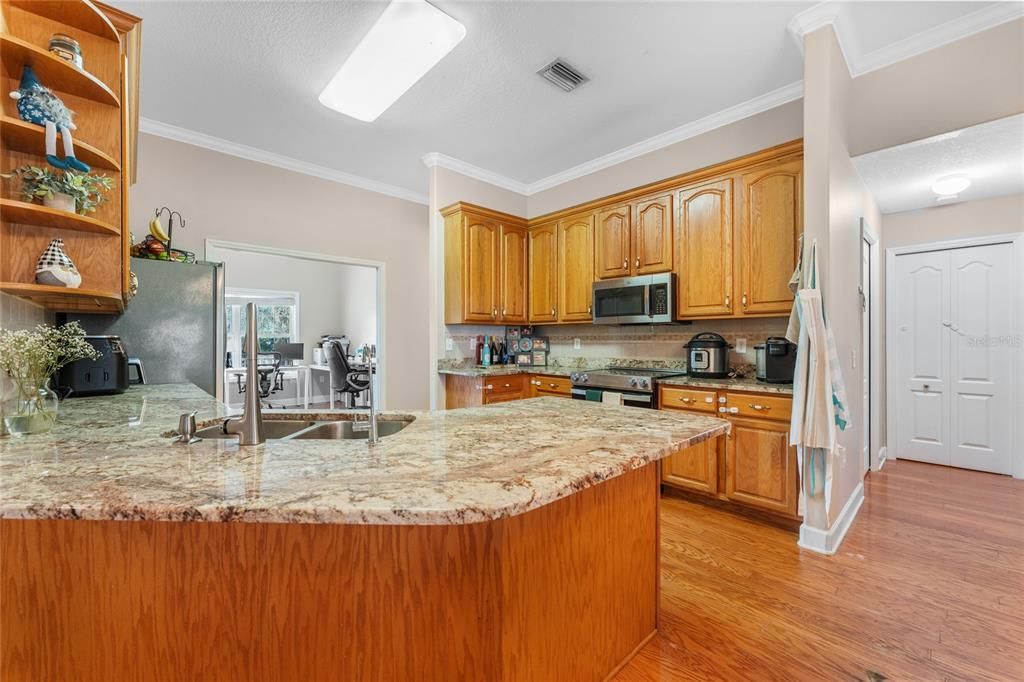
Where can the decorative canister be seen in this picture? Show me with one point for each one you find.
(55, 268)
(67, 48)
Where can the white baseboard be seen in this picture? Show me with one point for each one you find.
(883, 457)
(828, 541)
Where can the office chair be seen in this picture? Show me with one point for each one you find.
(347, 381)
(271, 379)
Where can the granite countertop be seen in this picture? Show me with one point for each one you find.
(739, 384)
(111, 457)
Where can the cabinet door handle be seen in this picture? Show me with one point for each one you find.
(625, 265)
(759, 408)
(588, 309)
(744, 300)
(552, 312)
(638, 261)
(728, 300)
(494, 312)
(503, 312)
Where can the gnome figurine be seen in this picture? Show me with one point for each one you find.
(55, 268)
(37, 104)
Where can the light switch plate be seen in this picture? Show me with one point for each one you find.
(741, 345)
(449, 343)
(577, 344)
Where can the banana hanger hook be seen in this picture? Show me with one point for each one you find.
(170, 224)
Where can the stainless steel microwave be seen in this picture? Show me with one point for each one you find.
(647, 299)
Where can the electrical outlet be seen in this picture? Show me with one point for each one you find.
(741, 345)
(472, 343)
(449, 343)
(577, 344)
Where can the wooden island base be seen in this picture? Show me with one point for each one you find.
(568, 591)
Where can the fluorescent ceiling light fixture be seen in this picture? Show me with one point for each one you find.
(409, 39)
(951, 185)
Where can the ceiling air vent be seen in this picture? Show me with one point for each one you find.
(563, 75)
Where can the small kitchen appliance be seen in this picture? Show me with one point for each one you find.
(776, 359)
(108, 374)
(638, 385)
(648, 299)
(708, 356)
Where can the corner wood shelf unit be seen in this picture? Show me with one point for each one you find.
(20, 136)
(24, 213)
(64, 299)
(80, 14)
(59, 75)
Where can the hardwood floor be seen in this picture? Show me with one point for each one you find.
(928, 585)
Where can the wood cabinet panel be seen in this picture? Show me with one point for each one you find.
(652, 235)
(771, 225)
(612, 243)
(576, 268)
(760, 466)
(760, 406)
(704, 262)
(545, 273)
(481, 269)
(673, 398)
(551, 385)
(695, 468)
(513, 274)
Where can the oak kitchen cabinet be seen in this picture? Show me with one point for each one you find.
(485, 265)
(635, 238)
(738, 239)
(550, 385)
(561, 270)
(753, 466)
(463, 391)
(730, 232)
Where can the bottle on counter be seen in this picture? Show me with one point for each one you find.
(479, 350)
(485, 353)
(495, 358)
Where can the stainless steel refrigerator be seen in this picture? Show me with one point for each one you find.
(175, 323)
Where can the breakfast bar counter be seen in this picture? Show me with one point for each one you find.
(514, 541)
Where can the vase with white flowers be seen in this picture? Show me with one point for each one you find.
(29, 358)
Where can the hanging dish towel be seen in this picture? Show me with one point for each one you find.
(820, 408)
(611, 398)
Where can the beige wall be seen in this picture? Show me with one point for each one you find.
(835, 201)
(767, 129)
(224, 197)
(977, 79)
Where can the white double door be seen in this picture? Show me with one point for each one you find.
(955, 362)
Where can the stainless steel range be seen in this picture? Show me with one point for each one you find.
(638, 385)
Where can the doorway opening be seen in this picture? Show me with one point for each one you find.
(303, 300)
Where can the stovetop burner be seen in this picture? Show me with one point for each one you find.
(623, 378)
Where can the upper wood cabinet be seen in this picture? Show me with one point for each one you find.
(771, 226)
(705, 256)
(652, 235)
(634, 239)
(104, 97)
(576, 268)
(544, 272)
(512, 264)
(485, 265)
(612, 243)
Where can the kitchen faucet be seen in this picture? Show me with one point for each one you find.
(371, 422)
(249, 427)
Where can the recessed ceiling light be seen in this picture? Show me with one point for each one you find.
(951, 185)
(409, 39)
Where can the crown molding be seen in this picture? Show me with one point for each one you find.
(943, 34)
(751, 107)
(830, 13)
(171, 132)
(438, 160)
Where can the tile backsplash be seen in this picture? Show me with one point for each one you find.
(16, 313)
(657, 343)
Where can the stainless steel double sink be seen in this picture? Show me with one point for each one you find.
(300, 429)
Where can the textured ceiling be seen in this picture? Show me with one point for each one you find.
(991, 154)
(250, 73)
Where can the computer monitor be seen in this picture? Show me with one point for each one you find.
(291, 351)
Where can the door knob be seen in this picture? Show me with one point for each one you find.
(926, 387)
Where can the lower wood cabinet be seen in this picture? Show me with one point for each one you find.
(463, 391)
(753, 466)
(548, 385)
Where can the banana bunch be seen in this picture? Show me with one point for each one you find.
(157, 230)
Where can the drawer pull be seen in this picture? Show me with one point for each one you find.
(508, 385)
(553, 385)
(687, 400)
(759, 407)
